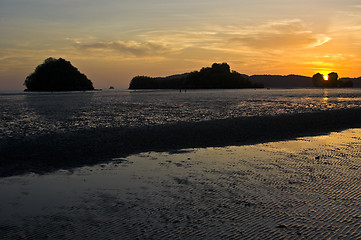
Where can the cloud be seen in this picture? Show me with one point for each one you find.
(279, 35)
(134, 48)
(275, 36)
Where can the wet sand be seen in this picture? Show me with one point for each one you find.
(308, 188)
(69, 149)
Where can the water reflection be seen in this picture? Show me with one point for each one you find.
(125, 195)
(30, 114)
(325, 95)
(58, 105)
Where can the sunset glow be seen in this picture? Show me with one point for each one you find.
(325, 77)
(113, 41)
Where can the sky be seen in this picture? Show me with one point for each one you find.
(111, 41)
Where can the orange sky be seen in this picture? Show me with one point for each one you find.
(112, 41)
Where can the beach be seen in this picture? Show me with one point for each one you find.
(307, 188)
(202, 165)
(44, 132)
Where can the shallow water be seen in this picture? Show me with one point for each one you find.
(306, 188)
(27, 114)
(301, 189)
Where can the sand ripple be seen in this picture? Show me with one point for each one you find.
(301, 189)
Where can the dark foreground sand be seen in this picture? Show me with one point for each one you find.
(307, 188)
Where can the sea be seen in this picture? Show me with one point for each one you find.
(32, 114)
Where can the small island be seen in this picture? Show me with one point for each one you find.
(57, 75)
(331, 81)
(219, 76)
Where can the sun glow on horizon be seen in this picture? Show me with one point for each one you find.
(126, 39)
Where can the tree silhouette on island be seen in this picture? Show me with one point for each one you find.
(219, 76)
(331, 81)
(60, 75)
(57, 75)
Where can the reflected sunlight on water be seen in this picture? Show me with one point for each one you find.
(278, 190)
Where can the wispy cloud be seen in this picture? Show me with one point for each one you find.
(134, 48)
(279, 35)
(276, 35)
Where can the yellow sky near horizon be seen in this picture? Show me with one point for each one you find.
(113, 41)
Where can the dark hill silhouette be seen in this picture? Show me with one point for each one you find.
(351, 82)
(279, 81)
(57, 75)
(219, 76)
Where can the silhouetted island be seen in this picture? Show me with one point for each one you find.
(331, 81)
(354, 82)
(280, 81)
(57, 75)
(297, 81)
(219, 76)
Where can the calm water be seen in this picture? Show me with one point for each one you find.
(25, 114)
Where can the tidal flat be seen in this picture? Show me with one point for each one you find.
(45, 132)
(305, 188)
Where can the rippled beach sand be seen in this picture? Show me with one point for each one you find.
(306, 188)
